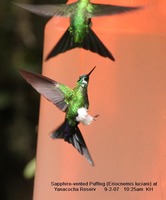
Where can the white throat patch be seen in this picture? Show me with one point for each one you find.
(84, 83)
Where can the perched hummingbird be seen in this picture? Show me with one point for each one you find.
(74, 103)
(79, 34)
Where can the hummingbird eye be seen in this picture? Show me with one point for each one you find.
(81, 77)
(83, 80)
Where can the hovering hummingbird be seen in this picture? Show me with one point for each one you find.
(74, 102)
(79, 34)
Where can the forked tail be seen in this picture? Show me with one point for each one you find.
(73, 136)
(91, 42)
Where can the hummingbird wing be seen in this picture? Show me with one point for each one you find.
(53, 91)
(72, 135)
(61, 10)
(95, 10)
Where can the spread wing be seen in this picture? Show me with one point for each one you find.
(55, 92)
(95, 10)
(61, 10)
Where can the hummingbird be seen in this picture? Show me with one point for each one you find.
(74, 102)
(79, 33)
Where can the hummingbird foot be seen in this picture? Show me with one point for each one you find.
(94, 117)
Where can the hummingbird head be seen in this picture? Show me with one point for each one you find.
(84, 79)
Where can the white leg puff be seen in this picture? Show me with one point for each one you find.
(84, 117)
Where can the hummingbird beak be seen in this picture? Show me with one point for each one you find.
(91, 71)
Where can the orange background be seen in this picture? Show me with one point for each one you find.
(127, 141)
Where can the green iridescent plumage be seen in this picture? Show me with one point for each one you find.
(74, 102)
(78, 100)
(79, 34)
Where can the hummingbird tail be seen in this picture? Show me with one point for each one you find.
(94, 44)
(91, 42)
(64, 44)
(73, 136)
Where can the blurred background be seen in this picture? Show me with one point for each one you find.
(21, 46)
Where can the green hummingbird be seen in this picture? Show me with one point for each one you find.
(74, 102)
(79, 34)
